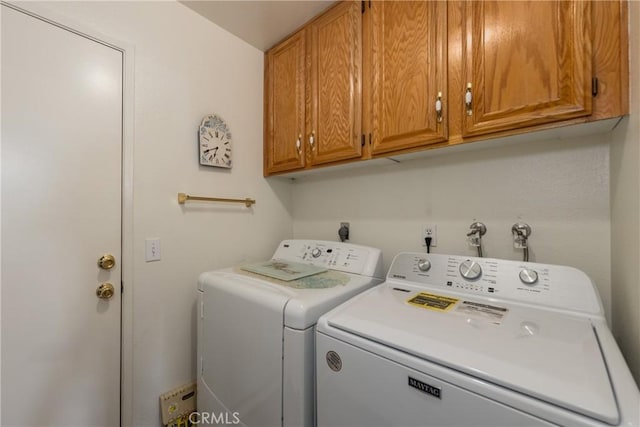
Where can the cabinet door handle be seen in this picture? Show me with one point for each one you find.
(299, 144)
(439, 107)
(312, 138)
(468, 100)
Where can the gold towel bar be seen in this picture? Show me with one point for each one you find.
(182, 198)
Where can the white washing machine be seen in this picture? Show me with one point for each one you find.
(456, 341)
(256, 351)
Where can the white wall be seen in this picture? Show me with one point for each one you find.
(559, 187)
(185, 67)
(625, 213)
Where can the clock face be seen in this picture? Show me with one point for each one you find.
(215, 142)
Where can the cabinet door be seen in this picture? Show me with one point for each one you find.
(336, 92)
(285, 106)
(408, 71)
(525, 63)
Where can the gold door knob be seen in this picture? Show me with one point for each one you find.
(105, 291)
(107, 262)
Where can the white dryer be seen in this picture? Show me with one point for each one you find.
(456, 341)
(256, 351)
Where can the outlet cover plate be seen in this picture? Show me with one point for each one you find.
(430, 230)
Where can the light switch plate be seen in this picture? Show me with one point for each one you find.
(152, 249)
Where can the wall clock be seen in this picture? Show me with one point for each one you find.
(215, 142)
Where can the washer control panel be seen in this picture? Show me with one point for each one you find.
(542, 284)
(339, 256)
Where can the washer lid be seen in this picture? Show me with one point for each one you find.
(548, 355)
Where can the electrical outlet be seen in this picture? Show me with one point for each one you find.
(430, 230)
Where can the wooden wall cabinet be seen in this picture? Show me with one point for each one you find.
(525, 63)
(406, 76)
(313, 93)
(534, 65)
(509, 67)
(284, 116)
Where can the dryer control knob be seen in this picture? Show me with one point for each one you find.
(316, 253)
(424, 264)
(528, 276)
(470, 270)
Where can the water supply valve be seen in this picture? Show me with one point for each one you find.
(474, 236)
(521, 233)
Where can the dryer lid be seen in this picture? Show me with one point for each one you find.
(548, 355)
(302, 304)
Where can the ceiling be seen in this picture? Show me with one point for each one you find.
(260, 23)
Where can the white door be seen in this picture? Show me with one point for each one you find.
(61, 211)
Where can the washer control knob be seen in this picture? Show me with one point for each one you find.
(316, 253)
(424, 264)
(470, 270)
(528, 276)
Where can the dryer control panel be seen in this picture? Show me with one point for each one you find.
(345, 257)
(532, 283)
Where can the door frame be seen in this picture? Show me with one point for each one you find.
(52, 17)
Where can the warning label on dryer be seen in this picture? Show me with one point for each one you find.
(433, 302)
(491, 313)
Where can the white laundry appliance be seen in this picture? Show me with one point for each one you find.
(256, 340)
(457, 341)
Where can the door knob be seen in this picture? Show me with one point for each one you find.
(105, 291)
(107, 262)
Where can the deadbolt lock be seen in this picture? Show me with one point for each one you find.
(107, 262)
(105, 291)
